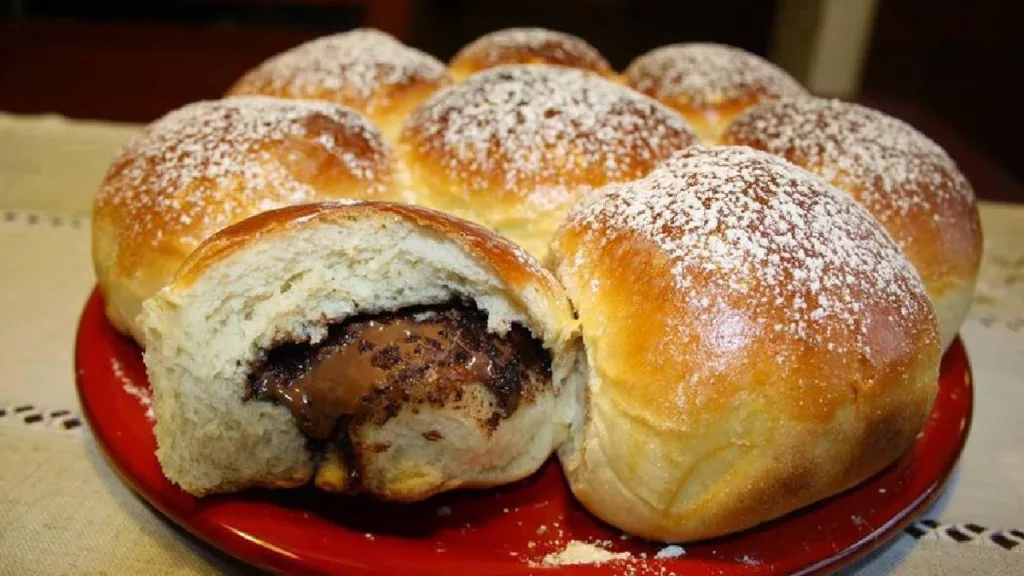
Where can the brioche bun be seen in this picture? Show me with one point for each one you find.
(905, 180)
(513, 148)
(364, 69)
(709, 84)
(209, 164)
(755, 342)
(527, 46)
(284, 278)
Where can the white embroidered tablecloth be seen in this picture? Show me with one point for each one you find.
(64, 511)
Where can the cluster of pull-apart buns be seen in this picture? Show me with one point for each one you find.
(716, 297)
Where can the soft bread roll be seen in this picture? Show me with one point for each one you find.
(287, 278)
(514, 147)
(527, 46)
(709, 84)
(905, 180)
(209, 164)
(364, 69)
(755, 342)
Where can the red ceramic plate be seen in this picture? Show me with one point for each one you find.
(504, 531)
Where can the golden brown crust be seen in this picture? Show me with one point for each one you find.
(780, 351)
(364, 69)
(514, 147)
(709, 84)
(904, 179)
(209, 164)
(510, 262)
(528, 46)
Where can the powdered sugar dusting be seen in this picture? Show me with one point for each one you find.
(888, 165)
(671, 551)
(209, 164)
(532, 45)
(707, 74)
(140, 393)
(356, 65)
(543, 130)
(747, 225)
(579, 552)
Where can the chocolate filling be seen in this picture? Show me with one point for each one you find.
(370, 366)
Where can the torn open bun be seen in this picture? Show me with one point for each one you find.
(367, 347)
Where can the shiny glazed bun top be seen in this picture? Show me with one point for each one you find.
(904, 179)
(755, 342)
(365, 69)
(709, 84)
(209, 164)
(528, 46)
(514, 147)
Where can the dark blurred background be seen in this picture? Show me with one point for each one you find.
(944, 65)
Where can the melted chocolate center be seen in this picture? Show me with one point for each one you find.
(372, 365)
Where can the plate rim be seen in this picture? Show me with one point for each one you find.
(252, 552)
